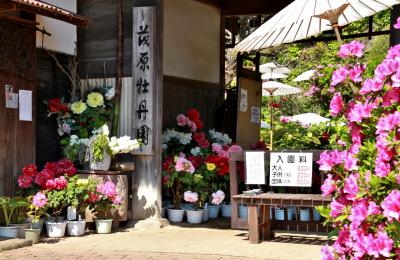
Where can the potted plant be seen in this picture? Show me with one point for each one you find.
(38, 208)
(101, 202)
(9, 206)
(194, 216)
(19, 217)
(80, 189)
(217, 198)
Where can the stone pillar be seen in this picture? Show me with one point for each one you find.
(394, 33)
(146, 201)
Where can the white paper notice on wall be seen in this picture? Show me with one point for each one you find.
(255, 169)
(255, 115)
(243, 100)
(25, 105)
(11, 98)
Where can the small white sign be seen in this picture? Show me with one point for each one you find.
(255, 115)
(291, 169)
(255, 169)
(243, 100)
(25, 105)
(11, 97)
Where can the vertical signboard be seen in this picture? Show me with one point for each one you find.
(255, 169)
(291, 169)
(143, 40)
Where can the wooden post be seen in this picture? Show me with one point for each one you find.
(394, 33)
(254, 234)
(147, 116)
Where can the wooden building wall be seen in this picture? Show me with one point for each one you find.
(17, 68)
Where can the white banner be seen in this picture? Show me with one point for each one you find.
(255, 167)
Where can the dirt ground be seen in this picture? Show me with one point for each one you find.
(172, 242)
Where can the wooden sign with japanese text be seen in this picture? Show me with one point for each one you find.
(291, 169)
(143, 73)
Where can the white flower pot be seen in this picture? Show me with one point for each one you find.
(103, 226)
(103, 165)
(242, 211)
(21, 229)
(194, 216)
(316, 215)
(205, 215)
(226, 210)
(38, 225)
(175, 215)
(213, 211)
(32, 234)
(9, 231)
(56, 229)
(304, 215)
(76, 228)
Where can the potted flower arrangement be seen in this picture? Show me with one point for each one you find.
(52, 181)
(100, 148)
(38, 208)
(80, 190)
(217, 199)
(194, 216)
(194, 159)
(9, 206)
(101, 202)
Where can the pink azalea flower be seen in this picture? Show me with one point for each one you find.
(391, 97)
(396, 79)
(391, 205)
(336, 104)
(387, 123)
(359, 212)
(370, 85)
(393, 52)
(354, 48)
(381, 245)
(361, 111)
(39, 200)
(350, 163)
(386, 68)
(339, 76)
(356, 72)
(181, 119)
(373, 209)
(382, 169)
(190, 196)
(336, 208)
(184, 165)
(284, 119)
(351, 186)
(329, 186)
(327, 253)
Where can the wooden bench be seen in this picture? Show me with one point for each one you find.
(263, 202)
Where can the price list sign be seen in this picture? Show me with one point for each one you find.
(143, 67)
(291, 169)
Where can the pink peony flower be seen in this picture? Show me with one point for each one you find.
(235, 149)
(108, 189)
(354, 48)
(216, 147)
(39, 200)
(391, 205)
(339, 76)
(181, 119)
(329, 186)
(184, 165)
(284, 119)
(218, 197)
(192, 125)
(190, 196)
(42, 177)
(25, 181)
(336, 104)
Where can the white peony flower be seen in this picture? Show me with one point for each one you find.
(195, 151)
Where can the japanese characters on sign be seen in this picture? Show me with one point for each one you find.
(143, 76)
(255, 169)
(291, 169)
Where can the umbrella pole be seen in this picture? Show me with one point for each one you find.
(337, 33)
(271, 133)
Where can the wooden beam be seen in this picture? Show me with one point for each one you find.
(17, 20)
(252, 7)
(215, 3)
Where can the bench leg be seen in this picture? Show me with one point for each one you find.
(265, 226)
(254, 234)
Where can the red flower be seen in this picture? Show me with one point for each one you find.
(55, 105)
(42, 177)
(165, 179)
(65, 166)
(325, 137)
(168, 164)
(212, 159)
(222, 166)
(193, 114)
(198, 123)
(25, 181)
(198, 137)
(29, 170)
(51, 166)
(204, 143)
(275, 105)
(93, 197)
(196, 160)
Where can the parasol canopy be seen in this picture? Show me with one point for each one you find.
(304, 18)
(307, 75)
(275, 88)
(309, 119)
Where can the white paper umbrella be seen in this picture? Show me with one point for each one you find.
(272, 67)
(275, 88)
(273, 75)
(307, 75)
(304, 18)
(309, 119)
